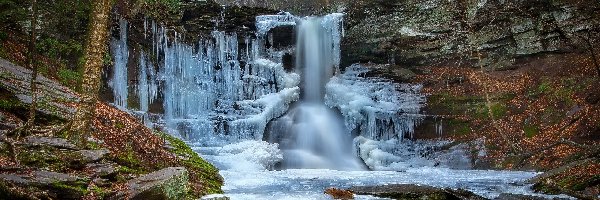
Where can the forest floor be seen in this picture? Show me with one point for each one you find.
(542, 114)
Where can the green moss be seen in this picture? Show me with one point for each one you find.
(530, 130)
(99, 192)
(128, 170)
(458, 127)
(46, 157)
(498, 110)
(10, 104)
(546, 189)
(39, 158)
(585, 183)
(119, 125)
(200, 170)
(77, 189)
(130, 160)
(93, 145)
(69, 78)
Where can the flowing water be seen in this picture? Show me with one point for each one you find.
(311, 134)
(322, 127)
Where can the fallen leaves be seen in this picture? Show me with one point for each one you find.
(547, 94)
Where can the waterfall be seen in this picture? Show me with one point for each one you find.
(226, 88)
(311, 134)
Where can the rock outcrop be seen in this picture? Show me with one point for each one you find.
(495, 32)
(54, 100)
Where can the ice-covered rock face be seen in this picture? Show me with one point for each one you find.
(221, 89)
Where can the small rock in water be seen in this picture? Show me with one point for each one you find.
(506, 196)
(215, 197)
(408, 191)
(339, 193)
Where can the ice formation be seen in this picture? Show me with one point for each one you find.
(264, 23)
(375, 108)
(147, 87)
(120, 51)
(249, 155)
(217, 90)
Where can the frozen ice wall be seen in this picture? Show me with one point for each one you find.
(220, 89)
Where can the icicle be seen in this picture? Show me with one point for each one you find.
(119, 82)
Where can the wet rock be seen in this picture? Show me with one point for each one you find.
(168, 183)
(339, 193)
(506, 196)
(407, 191)
(60, 143)
(392, 72)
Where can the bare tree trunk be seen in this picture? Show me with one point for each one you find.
(588, 40)
(95, 50)
(34, 70)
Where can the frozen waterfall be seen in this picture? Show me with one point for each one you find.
(311, 134)
(228, 88)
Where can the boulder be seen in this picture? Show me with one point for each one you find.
(409, 191)
(165, 184)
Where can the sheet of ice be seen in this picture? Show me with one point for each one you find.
(245, 156)
(396, 155)
(376, 108)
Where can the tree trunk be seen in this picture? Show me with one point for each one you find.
(34, 69)
(96, 47)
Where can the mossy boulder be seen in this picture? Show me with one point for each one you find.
(166, 184)
(204, 176)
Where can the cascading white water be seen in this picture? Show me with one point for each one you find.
(311, 134)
